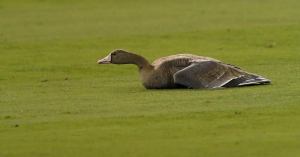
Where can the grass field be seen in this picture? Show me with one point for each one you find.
(56, 101)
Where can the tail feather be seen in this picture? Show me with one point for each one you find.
(255, 81)
(247, 81)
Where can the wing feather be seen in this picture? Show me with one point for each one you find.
(212, 74)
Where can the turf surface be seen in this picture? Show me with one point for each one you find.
(56, 101)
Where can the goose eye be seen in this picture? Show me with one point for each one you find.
(113, 54)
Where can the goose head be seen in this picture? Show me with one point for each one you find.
(117, 57)
(123, 57)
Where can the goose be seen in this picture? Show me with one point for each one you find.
(185, 71)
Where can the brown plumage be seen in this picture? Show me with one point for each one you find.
(185, 71)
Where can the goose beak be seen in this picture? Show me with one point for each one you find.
(106, 60)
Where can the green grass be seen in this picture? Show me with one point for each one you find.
(56, 101)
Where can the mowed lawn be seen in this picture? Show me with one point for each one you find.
(56, 101)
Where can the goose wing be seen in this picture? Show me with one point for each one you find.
(212, 74)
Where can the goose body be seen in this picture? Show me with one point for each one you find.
(185, 71)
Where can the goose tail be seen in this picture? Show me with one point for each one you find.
(255, 81)
(247, 81)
